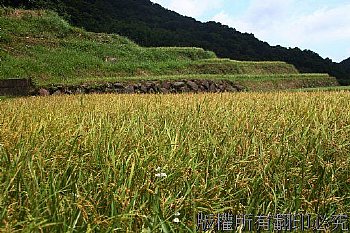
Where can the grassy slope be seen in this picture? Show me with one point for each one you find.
(40, 45)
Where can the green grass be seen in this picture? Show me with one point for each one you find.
(334, 88)
(45, 47)
(238, 77)
(249, 67)
(88, 163)
(3, 97)
(42, 46)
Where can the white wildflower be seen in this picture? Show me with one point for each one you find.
(177, 214)
(176, 220)
(162, 174)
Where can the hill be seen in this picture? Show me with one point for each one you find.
(42, 46)
(149, 24)
(346, 65)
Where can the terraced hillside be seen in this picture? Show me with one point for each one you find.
(42, 46)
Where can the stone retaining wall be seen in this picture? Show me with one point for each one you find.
(145, 87)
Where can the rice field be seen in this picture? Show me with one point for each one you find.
(152, 163)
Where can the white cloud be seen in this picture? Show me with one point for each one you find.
(288, 23)
(160, 2)
(325, 24)
(192, 8)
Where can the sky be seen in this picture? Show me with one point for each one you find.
(322, 26)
